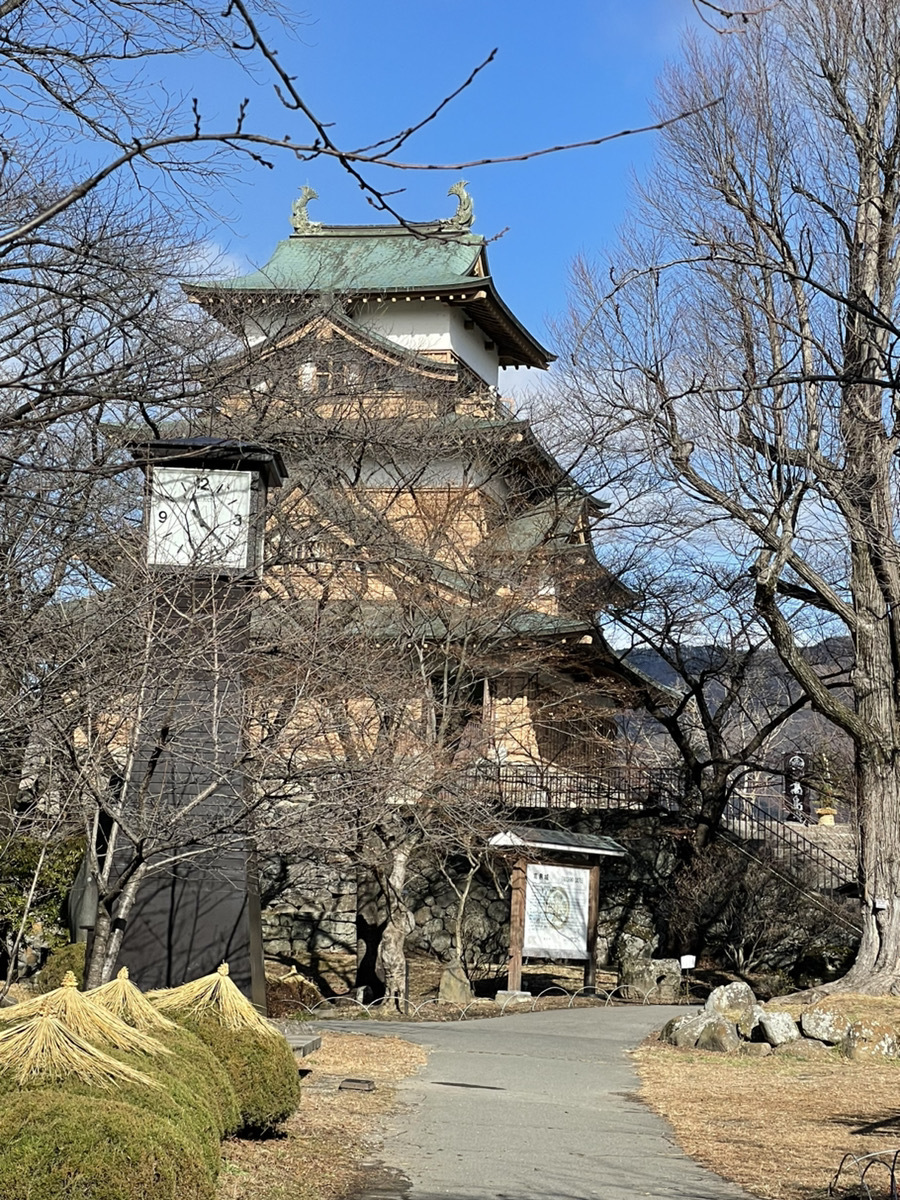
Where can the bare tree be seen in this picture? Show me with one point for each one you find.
(727, 698)
(740, 366)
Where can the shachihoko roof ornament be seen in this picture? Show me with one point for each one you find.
(464, 217)
(299, 216)
(442, 261)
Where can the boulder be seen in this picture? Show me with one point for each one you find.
(756, 1049)
(455, 987)
(719, 1035)
(748, 1025)
(824, 1024)
(869, 1039)
(655, 979)
(684, 1031)
(668, 1031)
(732, 998)
(779, 1027)
(802, 1047)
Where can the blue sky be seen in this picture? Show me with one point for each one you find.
(564, 72)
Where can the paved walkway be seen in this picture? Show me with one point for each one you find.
(536, 1106)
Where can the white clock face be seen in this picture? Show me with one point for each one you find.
(199, 518)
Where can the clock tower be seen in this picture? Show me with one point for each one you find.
(204, 519)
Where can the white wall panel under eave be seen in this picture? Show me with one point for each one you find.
(430, 325)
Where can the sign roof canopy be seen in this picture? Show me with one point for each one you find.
(561, 841)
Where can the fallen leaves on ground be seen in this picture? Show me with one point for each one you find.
(320, 1152)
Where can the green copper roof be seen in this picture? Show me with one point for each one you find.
(367, 258)
(374, 261)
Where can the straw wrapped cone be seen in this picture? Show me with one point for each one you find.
(214, 996)
(127, 1002)
(84, 1018)
(43, 1048)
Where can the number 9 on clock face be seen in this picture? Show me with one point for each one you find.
(199, 518)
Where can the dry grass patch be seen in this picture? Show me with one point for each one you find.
(777, 1126)
(882, 1010)
(320, 1154)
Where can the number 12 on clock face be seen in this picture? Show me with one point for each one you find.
(199, 518)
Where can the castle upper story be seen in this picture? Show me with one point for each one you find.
(425, 288)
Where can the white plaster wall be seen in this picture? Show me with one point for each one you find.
(263, 324)
(430, 325)
(442, 472)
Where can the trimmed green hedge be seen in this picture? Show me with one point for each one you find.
(56, 1146)
(262, 1069)
(195, 1066)
(196, 1095)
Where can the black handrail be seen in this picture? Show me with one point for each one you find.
(832, 875)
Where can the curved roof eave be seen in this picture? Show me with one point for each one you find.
(477, 295)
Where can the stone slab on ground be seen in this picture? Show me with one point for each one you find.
(870, 1039)
(301, 1040)
(454, 986)
(535, 1106)
(825, 1025)
(756, 1049)
(802, 1047)
(684, 1030)
(719, 1035)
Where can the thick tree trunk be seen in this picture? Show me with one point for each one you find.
(875, 684)
(400, 921)
(393, 953)
(877, 966)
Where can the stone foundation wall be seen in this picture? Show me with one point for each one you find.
(310, 907)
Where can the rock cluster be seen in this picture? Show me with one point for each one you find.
(732, 1021)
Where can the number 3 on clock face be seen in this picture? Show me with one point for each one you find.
(199, 518)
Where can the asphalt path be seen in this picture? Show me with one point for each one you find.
(533, 1106)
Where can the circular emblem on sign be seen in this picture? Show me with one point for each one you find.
(557, 907)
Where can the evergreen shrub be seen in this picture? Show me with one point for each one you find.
(261, 1068)
(58, 1146)
(66, 958)
(195, 1092)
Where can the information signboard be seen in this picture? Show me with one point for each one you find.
(556, 911)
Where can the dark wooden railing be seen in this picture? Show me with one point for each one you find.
(807, 864)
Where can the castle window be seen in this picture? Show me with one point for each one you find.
(307, 377)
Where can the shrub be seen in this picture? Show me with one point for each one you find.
(66, 958)
(196, 1066)
(195, 1092)
(56, 1146)
(60, 862)
(743, 910)
(262, 1069)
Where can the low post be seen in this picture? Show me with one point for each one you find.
(590, 965)
(516, 926)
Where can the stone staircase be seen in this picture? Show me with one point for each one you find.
(818, 859)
